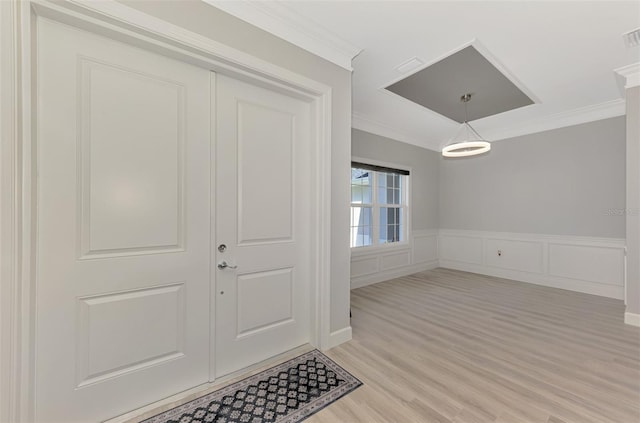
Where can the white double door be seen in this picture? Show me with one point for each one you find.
(146, 167)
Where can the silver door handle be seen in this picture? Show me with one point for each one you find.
(225, 265)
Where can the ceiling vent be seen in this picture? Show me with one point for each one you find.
(409, 65)
(632, 38)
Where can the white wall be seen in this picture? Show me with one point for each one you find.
(567, 181)
(424, 172)
(551, 203)
(371, 265)
(226, 29)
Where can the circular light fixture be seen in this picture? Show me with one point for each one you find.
(470, 143)
(466, 148)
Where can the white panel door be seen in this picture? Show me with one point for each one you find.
(263, 215)
(123, 226)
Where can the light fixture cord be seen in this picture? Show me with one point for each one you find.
(466, 117)
(465, 100)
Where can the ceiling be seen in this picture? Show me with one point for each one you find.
(560, 54)
(440, 86)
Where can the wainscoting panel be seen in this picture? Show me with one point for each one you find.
(425, 247)
(395, 260)
(364, 266)
(515, 255)
(373, 265)
(461, 248)
(583, 264)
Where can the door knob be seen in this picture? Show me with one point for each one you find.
(225, 265)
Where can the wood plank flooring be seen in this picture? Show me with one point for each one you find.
(445, 346)
(450, 346)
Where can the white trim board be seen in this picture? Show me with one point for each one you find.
(284, 22)
(632, 319)
(339, 337)
(11, 358)
(630, 75)
(16, 264)
(17, 165)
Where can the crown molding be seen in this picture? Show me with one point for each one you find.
(367, 124)
(285, 23)
(606, 110)
(631, 74)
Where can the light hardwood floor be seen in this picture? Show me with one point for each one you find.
(450, 346)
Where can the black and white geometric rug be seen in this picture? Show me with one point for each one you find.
(287, 393)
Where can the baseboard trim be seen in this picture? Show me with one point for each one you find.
(339, 337)
(385, 275)
(632, 319)
(593, 288)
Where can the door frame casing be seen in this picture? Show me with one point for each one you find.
(18, 179)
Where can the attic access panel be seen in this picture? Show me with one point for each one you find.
(438, 87)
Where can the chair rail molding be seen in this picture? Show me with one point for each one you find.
(17, 164)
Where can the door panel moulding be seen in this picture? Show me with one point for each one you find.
(17, 162)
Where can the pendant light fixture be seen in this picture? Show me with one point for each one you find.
(467, 141)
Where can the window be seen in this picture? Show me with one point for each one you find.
(378, 205)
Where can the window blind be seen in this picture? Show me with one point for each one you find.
(377, 168)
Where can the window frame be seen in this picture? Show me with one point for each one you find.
(405, 205)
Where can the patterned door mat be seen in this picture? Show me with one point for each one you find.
(287, 393)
